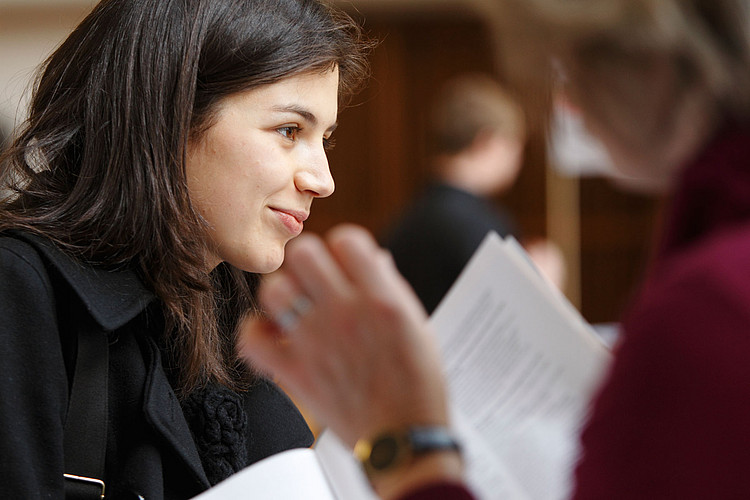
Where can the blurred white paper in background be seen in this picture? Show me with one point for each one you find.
(572, 150)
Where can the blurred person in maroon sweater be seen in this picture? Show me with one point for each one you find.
(665, 86)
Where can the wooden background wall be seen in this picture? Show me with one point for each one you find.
(379, 161)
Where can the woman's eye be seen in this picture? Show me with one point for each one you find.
(289, 132)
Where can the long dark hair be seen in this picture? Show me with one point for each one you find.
(99, 166)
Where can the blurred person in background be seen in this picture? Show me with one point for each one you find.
(476, 137)
(665, 85)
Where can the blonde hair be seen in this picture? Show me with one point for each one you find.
(707, 42)
(469, 105)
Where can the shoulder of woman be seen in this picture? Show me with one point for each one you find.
(21, 263)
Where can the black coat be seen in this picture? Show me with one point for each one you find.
(152, 450)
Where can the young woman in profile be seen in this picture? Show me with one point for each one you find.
(172, 149)
(665, 85)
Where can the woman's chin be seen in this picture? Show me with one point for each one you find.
(259, 264)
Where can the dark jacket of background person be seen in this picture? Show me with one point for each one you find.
(672, 419)
(438, 234)
(157, 447)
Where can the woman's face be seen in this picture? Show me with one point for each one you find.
(254, 173)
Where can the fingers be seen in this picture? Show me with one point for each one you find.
(370, 267)
(359, 255)
(284, 301)
(262, 344)
(349, 259)
(314, 269)
(349, 264)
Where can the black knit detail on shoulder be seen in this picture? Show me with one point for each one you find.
(218, 422)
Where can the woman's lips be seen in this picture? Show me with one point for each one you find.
(292, 220)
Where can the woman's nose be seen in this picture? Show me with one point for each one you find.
(315, 176)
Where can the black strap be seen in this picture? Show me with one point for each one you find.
(85, 439)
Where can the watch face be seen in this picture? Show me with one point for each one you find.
(384, 452)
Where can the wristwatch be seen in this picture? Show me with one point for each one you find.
(391, 449)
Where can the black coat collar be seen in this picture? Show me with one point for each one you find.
(112, 297)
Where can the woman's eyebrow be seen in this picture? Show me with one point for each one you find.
(306, 114)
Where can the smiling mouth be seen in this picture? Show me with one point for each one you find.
(292, 220)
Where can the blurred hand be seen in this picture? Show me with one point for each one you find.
(550, 260)
(358, 353)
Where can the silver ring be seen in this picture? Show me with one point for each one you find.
(289, 318)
